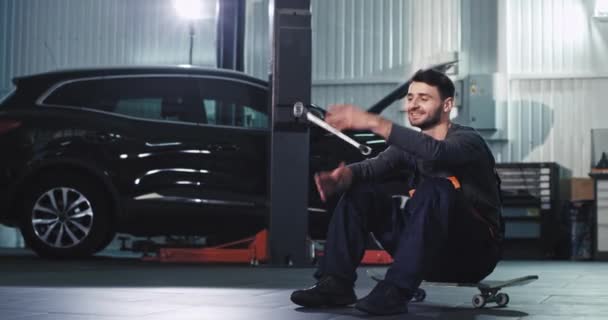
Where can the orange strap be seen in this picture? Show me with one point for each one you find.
(452, 179)
(454, 182)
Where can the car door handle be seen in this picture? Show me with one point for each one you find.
(102, 137)
(223, 147)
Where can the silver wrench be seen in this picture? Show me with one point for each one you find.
(299, 110)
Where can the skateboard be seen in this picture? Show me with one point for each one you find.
(489, 289)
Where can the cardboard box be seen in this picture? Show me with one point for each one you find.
(578, 189)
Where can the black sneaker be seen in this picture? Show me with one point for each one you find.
(330, 291)
(385, 299)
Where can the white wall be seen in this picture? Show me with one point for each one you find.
(44, 35)
(555, 73)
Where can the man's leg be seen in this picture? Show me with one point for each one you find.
(359, 208)
(436, 220)
(427, 230)
(363, 208)
(439, 225)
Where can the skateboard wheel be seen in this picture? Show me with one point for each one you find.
(502, 299)
(479, 301)
(419, 295)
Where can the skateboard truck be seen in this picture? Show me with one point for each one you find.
(299, 111)
(492, 295)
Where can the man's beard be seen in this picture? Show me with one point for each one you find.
(431, 121)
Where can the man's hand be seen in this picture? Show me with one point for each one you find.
(329, 183)
(346, 116)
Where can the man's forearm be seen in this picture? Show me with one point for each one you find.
(385, 163)
(380, 126)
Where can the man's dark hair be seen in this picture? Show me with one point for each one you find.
(434, 78)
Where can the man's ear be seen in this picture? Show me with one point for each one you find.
(448, 104)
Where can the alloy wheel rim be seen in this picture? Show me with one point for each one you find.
(62, 217)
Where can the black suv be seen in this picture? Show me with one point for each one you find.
(146, 151)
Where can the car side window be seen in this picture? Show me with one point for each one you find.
(254, 118)
(148, 108)
(209, 105)
(156, 98)
(77, 94)
(230, 103)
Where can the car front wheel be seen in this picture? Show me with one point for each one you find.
(66, 217)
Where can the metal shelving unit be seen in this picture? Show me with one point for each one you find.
(530, 194)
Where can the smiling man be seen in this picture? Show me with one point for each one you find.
(449, 230)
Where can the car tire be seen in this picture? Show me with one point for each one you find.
(66, 216)
(111, 234)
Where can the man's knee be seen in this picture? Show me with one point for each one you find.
(434, 185)
(365, 198)
(433, 197)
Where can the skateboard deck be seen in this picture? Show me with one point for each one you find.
(488, 289)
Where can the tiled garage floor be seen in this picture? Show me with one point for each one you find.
(125, 288)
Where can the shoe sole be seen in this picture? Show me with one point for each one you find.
(326, 301)
(376, 313)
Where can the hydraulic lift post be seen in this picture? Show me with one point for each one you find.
(231, 34)
(290, 79)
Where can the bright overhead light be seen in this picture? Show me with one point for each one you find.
(600, 11)
(190, 9)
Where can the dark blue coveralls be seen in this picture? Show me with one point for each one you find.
(436, 237)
